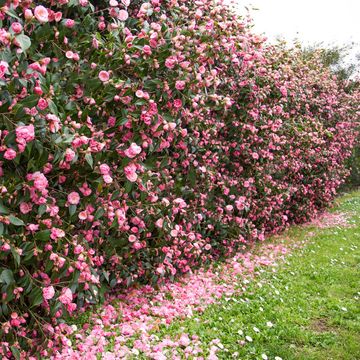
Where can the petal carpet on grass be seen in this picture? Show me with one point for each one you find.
(286, 298)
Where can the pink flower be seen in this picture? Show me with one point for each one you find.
(180, 85)
(123, 15)
(104, 76)
(159, 223)
(42, 104)
(54, 122)
(57, 233)
(16, 27)
(69, 23)
(170, 62)
(69, 54)
(139, 94)
(10, 154)
(41, 14)
(40, 181)
(133, 150)
(130, 172)
(132, 238)
(48, 292)
(4, 66)
(177, 103)
(283, 91)
(73, 198)
(69, 155)
(28, 14)
(83, 215)
(104, 169)
(147, 50)
(107, 179)
(25, 208)
(25, 132)
(66, 296)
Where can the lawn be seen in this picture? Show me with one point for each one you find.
(308, 309)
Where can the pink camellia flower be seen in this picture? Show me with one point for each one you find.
(147, 50)
(139, 94)
(25, 208)
(177, 103)
(41, 14)
(130, 172)
(69, 54)
(66, 296)
(42, 104)
(73, 198)
(170, 62)
(132, 238)
(16, 27)
(48, 292)
(159, 223)
(58, 16)
(104, 76)
(25, 132)
(83, 215)
(54, 122)
(10, 154)
(28, 14)
(69, 155)
(4, 66)
(123, 15)
(283, 91)
(40, 181)
(57, 233)
(69, 23)
(180, 85)
(133, 150)
(104, 169)
(107, 179)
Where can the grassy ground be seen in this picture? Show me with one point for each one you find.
(308, 309)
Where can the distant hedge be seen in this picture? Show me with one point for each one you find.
(143, 139)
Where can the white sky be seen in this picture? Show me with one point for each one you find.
(311, 21)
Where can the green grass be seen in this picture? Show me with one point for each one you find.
(313, 301)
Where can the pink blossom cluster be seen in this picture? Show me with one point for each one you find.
(142, 139)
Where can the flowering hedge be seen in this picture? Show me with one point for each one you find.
(141, 139)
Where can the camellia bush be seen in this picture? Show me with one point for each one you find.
(139, 140)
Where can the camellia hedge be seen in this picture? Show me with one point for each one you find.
(139, 140)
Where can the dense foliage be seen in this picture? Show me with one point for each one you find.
(141, 139)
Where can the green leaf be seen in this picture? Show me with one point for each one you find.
(3, 209)
(36, 297)
(16, 256)
(7, 277)
(15, 352)
(128, 186)
(43, 235)
(12, 13)
(72, 210)
(1, 228)
(89, 160)
(41, 210)
(99, 213)
(192, 176)
(16, 221)
(24, 41)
